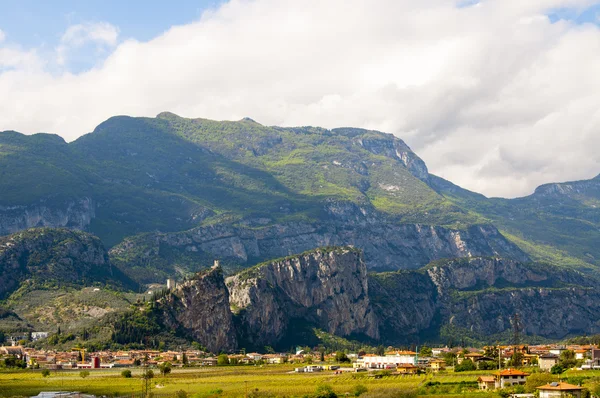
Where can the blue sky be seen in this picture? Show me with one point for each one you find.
(34, 22)
(41, 24)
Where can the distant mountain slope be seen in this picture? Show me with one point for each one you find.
(171, 173)
(558, 222)
(163, 175)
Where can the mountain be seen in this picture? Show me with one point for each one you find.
(558, 223)
(286, 301)
(168, 195)
(55, 257)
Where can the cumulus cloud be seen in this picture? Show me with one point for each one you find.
(100, 35)
(491, 94)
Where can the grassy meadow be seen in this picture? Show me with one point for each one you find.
(271, 380)
(235, 381)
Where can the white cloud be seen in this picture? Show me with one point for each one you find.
(493, 96)
(2, 36)
(100, 35)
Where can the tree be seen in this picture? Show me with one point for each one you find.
(325, 391)
(567, 359)
(184, 359)
(269, 349)
(538, 379)
(380, 350)
(359, 390)
(222, 359)
(322, 354)
(557, 369)
(147, 374)
(465, 365)
(45, 373)
(84, 373)
(126, 373)
(487, 365)
(340, 356)
(164, 368)
(426, 351)
(450, 358)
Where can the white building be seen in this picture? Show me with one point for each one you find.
(390, 360)
(508, 377)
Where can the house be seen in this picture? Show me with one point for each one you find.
(557, 350)
(208, 361)
(437, 364)
(580, 353)
(274, 358)
(558, 390)
(508, 377)
(254, 356)
(486, 382)
(547, 361)
(407, 369)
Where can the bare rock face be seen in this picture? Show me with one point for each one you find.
(386, 246)
(75, 214)
(479, 296)
(327, 288)
(200, 307)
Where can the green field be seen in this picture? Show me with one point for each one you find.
(271, 380)
(234, 381)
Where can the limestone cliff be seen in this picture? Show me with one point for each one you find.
(199, 308)
(326, 288)
(74, 214)
(386, 246)
(479, 296)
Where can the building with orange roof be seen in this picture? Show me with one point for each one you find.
(559, 390)
(486, 382)
(509, 377)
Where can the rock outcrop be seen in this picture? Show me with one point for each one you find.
(199, 308)
(326, 288)
(386, 246)
(74, 214)
(479, 296)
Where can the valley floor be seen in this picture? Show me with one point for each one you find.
(271, 380)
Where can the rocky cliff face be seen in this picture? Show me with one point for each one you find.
(75, 214)
(326, 288)
(200, 308)
(58, 255)
(480, 295)
(386, 246)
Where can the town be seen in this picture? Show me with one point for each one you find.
(498, 367)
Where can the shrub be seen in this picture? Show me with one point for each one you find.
(325, 391)
(45, 373)
(358, 390)
(84, 373)
(126, 373)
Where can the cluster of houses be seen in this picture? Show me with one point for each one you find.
(79, 359)
(399, 361)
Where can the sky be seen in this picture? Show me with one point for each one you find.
(497, 96)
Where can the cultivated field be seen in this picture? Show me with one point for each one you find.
(235, 381)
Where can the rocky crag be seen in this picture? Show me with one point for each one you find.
(73, 214)
(386, 246)
(479, 296)
(326, 288)
(199, 308)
